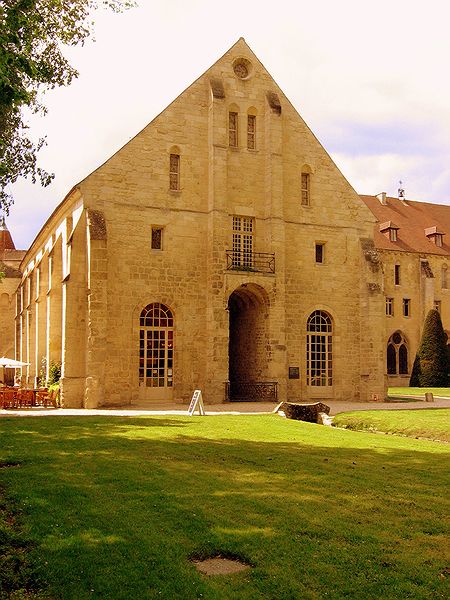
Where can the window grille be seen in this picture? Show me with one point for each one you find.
(233, 129)
(174, 174)
(319, 350)
(156, 346)
(251, 132)
(389, 307)
(156, 238)
(306, 184)
(243, 241)
(397, 355)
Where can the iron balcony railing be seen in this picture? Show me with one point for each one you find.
(251, 391)
(257, 262)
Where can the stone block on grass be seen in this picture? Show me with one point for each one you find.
(304, 412)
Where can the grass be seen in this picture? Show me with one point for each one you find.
(114, 508)
(433, 424)
(414, 391)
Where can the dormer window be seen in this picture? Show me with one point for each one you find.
(390, 230)
(436, 236)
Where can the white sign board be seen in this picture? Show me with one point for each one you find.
(196, 402)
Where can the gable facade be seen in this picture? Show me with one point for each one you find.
(221, 249)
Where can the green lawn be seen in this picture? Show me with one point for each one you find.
(433, 424)
(114, 508)
(414, 391)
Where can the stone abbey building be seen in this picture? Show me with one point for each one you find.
(221, 249)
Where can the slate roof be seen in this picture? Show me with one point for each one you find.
(412, 219)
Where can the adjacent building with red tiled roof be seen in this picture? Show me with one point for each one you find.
(413, 242)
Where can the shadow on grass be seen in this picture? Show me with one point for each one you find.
(118, 506)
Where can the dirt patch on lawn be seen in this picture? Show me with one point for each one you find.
(219, 565)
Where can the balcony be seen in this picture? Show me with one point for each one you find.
(254, 262)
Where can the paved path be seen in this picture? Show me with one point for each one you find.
(231, 408)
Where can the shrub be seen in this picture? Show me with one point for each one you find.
(431, 363)
(54, 373)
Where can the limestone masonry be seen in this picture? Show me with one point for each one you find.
(221, 249)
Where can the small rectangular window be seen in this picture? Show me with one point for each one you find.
(390, 307)
(437, 305)
(305, 189)
(157, 238)
(251, 132)
(393, 235)
(397, 274)
(174, 175)
(320, 253)
(233, 129)
(406, 307)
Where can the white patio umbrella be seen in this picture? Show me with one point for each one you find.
(10, 363)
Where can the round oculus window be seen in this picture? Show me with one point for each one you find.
(242, 68)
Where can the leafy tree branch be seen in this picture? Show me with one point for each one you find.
(33, 34)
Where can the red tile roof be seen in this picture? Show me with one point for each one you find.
(412, 219)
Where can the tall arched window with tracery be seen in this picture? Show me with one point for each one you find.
(319, 349)
(397, 355)
(156, 350)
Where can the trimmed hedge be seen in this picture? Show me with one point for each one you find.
(431, 363)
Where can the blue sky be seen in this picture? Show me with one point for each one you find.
(370, 79)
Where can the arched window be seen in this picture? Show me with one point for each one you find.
(156, 346)
(174, 171)
(319, 349)
(444, 281)
(397, 355)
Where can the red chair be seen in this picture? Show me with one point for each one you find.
(25, 398)
(9, 398)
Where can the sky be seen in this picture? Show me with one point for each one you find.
(369, 78)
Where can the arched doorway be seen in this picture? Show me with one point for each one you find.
(248, 349)
(156, 353)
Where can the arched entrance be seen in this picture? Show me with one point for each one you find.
(248, 349)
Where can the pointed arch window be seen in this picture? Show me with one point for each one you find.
(319, 349)
(397, 355)
(156, 346)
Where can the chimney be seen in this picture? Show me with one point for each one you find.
(382, 198)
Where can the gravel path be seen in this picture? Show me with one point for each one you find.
(228, 408)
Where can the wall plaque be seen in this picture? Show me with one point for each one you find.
(294, 372)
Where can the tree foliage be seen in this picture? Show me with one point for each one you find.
(431, 363)
(33, 34)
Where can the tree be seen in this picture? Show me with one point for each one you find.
(431, 363)
(32, 34)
